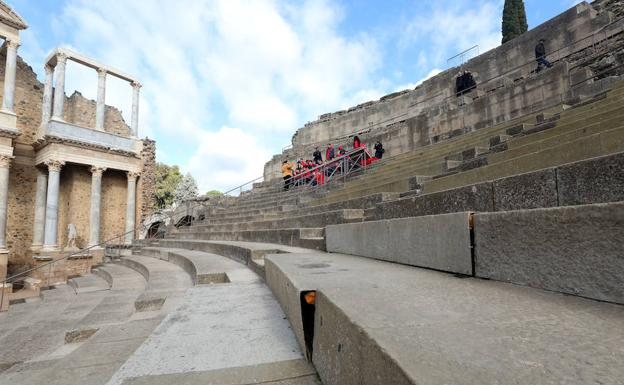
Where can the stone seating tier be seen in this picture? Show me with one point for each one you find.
(164, 280)
(394, 176)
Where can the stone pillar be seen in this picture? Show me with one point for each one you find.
(96, 199)
(40, 209)
(50, 242)
(131, 207)
(100, 107)
(5, 163)
(47, 95)
(9, 76)
(134, 122)
(59, 89)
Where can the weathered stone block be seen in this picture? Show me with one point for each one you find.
(575, 250)
(526, 191)
(596, 180)
(477, 197)
(439, 242)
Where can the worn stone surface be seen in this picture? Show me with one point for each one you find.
(575, 250)
(592, 181)
(382, 323)
(470, 198)
(220, 319)
(439, 242)
(526, 191)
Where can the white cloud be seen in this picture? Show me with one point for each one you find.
(262, 65)
(227, 158)
(452, 27)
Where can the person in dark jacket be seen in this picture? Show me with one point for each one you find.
(379, 150)
(317, 156)
(540, 56)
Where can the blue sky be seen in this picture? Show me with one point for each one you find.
(227, 82)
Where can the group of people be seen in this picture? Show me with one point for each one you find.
(310, 171)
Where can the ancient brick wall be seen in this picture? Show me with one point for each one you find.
(81, 111)
(22, 181)
(113, 206)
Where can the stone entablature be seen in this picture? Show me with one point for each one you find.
(53, 122)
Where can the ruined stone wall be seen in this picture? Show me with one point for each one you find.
(75, 203)
(81, 111)
(22, 182)
(147, 181)
(507, 86)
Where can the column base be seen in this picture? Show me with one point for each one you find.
(36, 248)
(4, 260)
(50, 248)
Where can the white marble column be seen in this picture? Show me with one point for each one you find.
(131, 207)
(40, 209)
(9, 76)
(50, 242)
(5, 163)
(100, 107)
(134, 122)
(47, 95)
(96, 199)
(59, 89)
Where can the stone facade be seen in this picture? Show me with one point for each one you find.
(74, 198)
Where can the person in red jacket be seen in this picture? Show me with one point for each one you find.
(356, 142)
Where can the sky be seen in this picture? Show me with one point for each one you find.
(226, 83)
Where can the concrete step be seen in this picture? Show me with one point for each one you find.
(403, 325)
(164, 280)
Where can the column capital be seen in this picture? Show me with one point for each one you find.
(12, 44)
(102, 71)
(132, 175)
(5, 161)
(54, 165)
(48, 69)
(61, 58)
(136, 85)
(97, 171)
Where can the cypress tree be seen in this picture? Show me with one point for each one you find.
(514, 19)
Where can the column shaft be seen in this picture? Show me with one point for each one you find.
(134, 123)
(130, 207)
(40, 209)
(59, 89)
(5, 162)
(9, 76)
(100, 107)
(47, 95)
(96, 199)
(51, 216)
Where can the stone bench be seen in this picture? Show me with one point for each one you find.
(403, 325)
(164, 279)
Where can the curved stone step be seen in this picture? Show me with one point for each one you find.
(116, 307)
(203, 267)
(164, 280)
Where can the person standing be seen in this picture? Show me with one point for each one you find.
(540, 56)
(317, 156)
(356, 142)
(329, 153)
(379, 150)
(287, 173)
